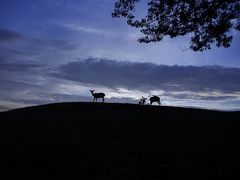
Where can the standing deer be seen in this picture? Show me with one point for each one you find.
(97, 95)
(155, 99)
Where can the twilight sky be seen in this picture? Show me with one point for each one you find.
(56, 50)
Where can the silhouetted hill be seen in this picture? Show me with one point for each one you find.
(118, 141)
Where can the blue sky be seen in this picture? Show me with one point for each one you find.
(41, 39)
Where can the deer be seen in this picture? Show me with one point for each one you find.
(97, 95)
(155, 99)
(142, 101)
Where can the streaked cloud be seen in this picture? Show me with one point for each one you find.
(85, 29)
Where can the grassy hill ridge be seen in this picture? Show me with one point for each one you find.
(119, 141)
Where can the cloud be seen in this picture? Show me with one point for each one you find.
(18, 48)
(148, 77)
(28, 76)
(209, 95)
(7, 35)
(122, 81)
(3, 108)
(21, 67)
(84, 29)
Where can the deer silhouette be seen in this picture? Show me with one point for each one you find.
(155, 99)
(142, 101)
(97, 95)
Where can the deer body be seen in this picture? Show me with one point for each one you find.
(97, 95)
(155, 99)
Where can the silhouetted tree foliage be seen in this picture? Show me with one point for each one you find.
(208, 21)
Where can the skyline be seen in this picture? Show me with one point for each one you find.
(56, 50)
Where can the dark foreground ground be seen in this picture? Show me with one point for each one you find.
(118, 141)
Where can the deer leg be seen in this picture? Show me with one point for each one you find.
(102, 99)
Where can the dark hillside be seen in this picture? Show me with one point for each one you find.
(118, 141)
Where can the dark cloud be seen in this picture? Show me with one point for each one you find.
(18, 48)
(6, 35)
(147, 76)
(22, 67)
